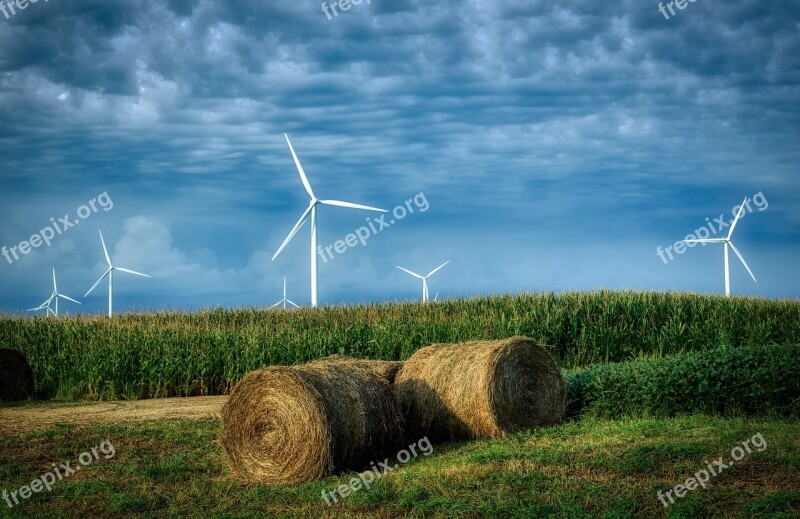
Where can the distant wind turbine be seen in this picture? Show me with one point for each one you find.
(53, 298)
(110, 274)
(425, 279)
(727, 241)
(312, 212)
(284, 300)
(43, 306)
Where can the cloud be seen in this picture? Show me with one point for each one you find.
(517, 118)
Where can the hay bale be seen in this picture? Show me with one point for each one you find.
(383, 368)
(284, 425)
(479, 389)
(16, 376)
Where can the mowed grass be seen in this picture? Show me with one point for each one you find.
(146, 355)
(592, 468)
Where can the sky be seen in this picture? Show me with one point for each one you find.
(543, 146)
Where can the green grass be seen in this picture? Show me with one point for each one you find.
(164, 354)
(592, 468)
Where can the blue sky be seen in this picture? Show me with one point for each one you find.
(558, 144)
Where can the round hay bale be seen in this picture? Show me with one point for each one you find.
(481, 389)
(16, 376)
(285, 425)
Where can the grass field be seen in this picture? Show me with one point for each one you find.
(591, 468)
(145, 355)
(594, 467)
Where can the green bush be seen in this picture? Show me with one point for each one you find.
(750, 380)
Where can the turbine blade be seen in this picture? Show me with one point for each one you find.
(300, 168)
(735, 220)
(50, 311)
(62, 296)
(296, 228)
(743, 261)
(276, 304)
(339, 203)
(412, 273)
(55, 287)
(46, 303)
(292, 303)
(98, 282)
(105, 251)
(131, 272)
(434, 271)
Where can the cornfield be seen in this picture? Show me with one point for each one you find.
(145, 355)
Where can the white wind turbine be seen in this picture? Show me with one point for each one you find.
(727, 241)
(43, 306)
(284, 300)
(425, 279)
(53, 297)
(110, 274)
(312, 212)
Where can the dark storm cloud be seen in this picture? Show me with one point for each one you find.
(579, 118)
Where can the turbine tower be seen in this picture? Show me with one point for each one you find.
(284, 300)
(425, 279)
(53, 297)
(728, 243)
(311, 212)
(110, 274)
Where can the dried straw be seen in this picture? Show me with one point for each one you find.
(479, 389)
(284, 425)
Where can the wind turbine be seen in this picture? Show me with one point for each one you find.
(284, 300)
(110, 274)
(727, 241)
(312, 212)
(45, 305)
(425, 279)
(53, 297)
